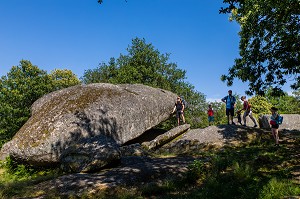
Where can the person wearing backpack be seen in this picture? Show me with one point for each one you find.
(184, 103)
(179, 108)
(247, 111)
(229, 100)
(275, 120)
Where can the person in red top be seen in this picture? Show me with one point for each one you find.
(210, 113)
(248, 111)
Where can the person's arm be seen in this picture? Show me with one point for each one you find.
(174, 109)
(223, 99)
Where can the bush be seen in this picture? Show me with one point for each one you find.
(260, 105)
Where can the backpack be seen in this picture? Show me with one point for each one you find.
(279, 119)
(249, 106)
(184, 103)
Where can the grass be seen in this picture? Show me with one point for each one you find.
(254, 170)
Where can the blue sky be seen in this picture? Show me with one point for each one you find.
(78, 35)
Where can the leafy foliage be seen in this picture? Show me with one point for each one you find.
(260, 105)
(146, 65)
(286, 104)
(62, 78)
(269, 44)
(23, 85)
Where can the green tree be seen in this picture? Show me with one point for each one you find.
(296, 93)
(260, 105)
(62, 79)
(19, 89)
(269, 43)
(146, 65)
(286, 104)
(23, 85)
(143, 64)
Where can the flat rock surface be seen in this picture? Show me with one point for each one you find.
(133, 171)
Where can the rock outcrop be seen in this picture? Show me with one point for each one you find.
(62, 121)
(166, 137)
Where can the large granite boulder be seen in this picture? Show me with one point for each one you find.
(62, 121)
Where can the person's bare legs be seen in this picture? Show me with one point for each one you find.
(183, 119)
(275, 135)
(253, 119)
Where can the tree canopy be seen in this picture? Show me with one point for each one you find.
(269, 43)
(144, 64)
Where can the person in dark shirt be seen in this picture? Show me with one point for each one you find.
(179, 108)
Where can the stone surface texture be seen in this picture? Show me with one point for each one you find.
(69, 120)
(166, 137)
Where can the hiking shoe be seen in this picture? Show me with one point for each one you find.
(233, 123)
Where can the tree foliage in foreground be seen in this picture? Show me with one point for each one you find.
(23, 85)
(269, 43)
(144, 64)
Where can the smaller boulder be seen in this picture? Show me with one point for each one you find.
(166, 137)
(264, 122)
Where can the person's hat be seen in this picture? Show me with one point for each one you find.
(230, 91)
(274, 109)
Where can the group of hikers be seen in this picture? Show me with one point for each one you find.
(230, 102)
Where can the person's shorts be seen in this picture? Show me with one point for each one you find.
(230, 111)
(275, 126)
(178, 113)
(211, 118)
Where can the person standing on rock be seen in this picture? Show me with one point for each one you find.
(179, 108)
(247, 111)
(229, 100)
(210, 113)
(275, 125)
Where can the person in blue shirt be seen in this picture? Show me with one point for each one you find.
(229, 100)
